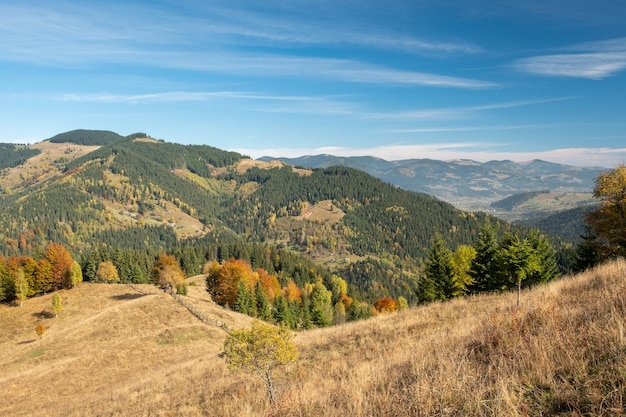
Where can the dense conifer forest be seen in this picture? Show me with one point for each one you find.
(13, 155)
(135, 198)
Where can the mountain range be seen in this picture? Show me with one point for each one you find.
(465, 183)
(134, 196)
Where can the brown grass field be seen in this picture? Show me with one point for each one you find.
(41, 167)
(115, 351)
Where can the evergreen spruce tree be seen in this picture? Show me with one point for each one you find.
(90, 265)
(542, 250)
(282, 312)
(587, 252)
(303, 312)
(484, 268)
(263, 306)
(439, 274)
(518, 262)
(426, 289)
(321, 307)
(245, 302)
(7, 283)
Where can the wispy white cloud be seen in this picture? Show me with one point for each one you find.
(316, 105)
(309, 67)
(604, 157)
(81, 36)
(592, 66)
(238, 25)
(467, 128)
(176, 96)
(594, 60)
(607, 45)
(454, 113)
(268, 103)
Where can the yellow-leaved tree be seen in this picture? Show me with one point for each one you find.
(107, 272)
(260, 350)
(609, 221)
(57, 304)
(167, 274)
(21, 286)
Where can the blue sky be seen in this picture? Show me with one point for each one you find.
(442, 79)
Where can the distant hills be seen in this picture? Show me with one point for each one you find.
(556, 213)
(553, 197)
(465, 183)
(134, 196)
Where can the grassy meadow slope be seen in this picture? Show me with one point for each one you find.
(114, 351)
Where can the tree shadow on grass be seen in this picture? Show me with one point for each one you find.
(127, 296)
(44, 314)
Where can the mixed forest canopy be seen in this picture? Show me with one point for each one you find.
(134, 198)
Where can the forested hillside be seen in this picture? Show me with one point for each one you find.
(515, 200)
(466, 183)
(570, 224)
(133, 198)
(87, 137)
(12, 155)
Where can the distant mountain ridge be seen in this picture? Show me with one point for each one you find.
(463, 182)
(135, 197)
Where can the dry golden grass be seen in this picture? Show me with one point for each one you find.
(40, 167)
(148, 140)
(115, 352)
(245, 164)
(322, 212)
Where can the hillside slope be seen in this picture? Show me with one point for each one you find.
(146, 196)
(114, 351)
(466, 183)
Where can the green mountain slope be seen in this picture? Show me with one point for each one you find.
(139, 197)
(569, 224)
(12, 155)
(515, 200)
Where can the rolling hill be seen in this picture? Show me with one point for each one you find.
(127, 350)
(555, 213)
(467, 184)
(90, 190)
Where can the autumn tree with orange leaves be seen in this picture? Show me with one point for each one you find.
(223, 282)
(167, 274)
(60, 263)
(269, 284)
(385, 305)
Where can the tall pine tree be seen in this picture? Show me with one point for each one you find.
(484, 268)
(438, 281)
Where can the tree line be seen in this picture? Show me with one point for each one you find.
(24, 276)
(492, 264)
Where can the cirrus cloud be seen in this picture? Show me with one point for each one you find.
(595, 61)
